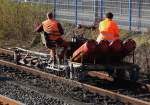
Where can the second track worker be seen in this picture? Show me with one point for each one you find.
(108, 29)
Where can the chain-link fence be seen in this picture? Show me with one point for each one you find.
(130, 14)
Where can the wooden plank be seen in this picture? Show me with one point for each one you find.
(100, 75)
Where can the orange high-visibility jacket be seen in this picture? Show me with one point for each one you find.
(52, 27)
(108, 30)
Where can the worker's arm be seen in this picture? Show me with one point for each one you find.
(116, 30)
(39, 28)
(102, 27)
(61, 30)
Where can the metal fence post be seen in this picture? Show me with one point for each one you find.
(120, 13)
(54, 3)
(101, 9)
(130, 14)
(76, 12)
(139, 15)
(96, 7)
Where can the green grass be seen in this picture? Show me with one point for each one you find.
(17, 20)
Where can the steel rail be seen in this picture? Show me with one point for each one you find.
(7, 52)
(93, 89)
(7, 101)
(34, 52)
(12, 53)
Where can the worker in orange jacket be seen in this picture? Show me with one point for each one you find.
(52, 32)
(108, 29)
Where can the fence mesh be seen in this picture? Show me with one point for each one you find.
(130, 14)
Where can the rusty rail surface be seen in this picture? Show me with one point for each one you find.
(7, 101)
(7, 52)
(93, 89)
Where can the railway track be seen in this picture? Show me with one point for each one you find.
(92, 89)
(46, 84)
(99, 93)
(7, 101)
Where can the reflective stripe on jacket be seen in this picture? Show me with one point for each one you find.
(108, 30)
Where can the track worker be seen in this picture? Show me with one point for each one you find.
(52, 32)
(108, 29)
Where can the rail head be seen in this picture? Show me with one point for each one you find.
(123, 98)
(7, 101)
(7, 52)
